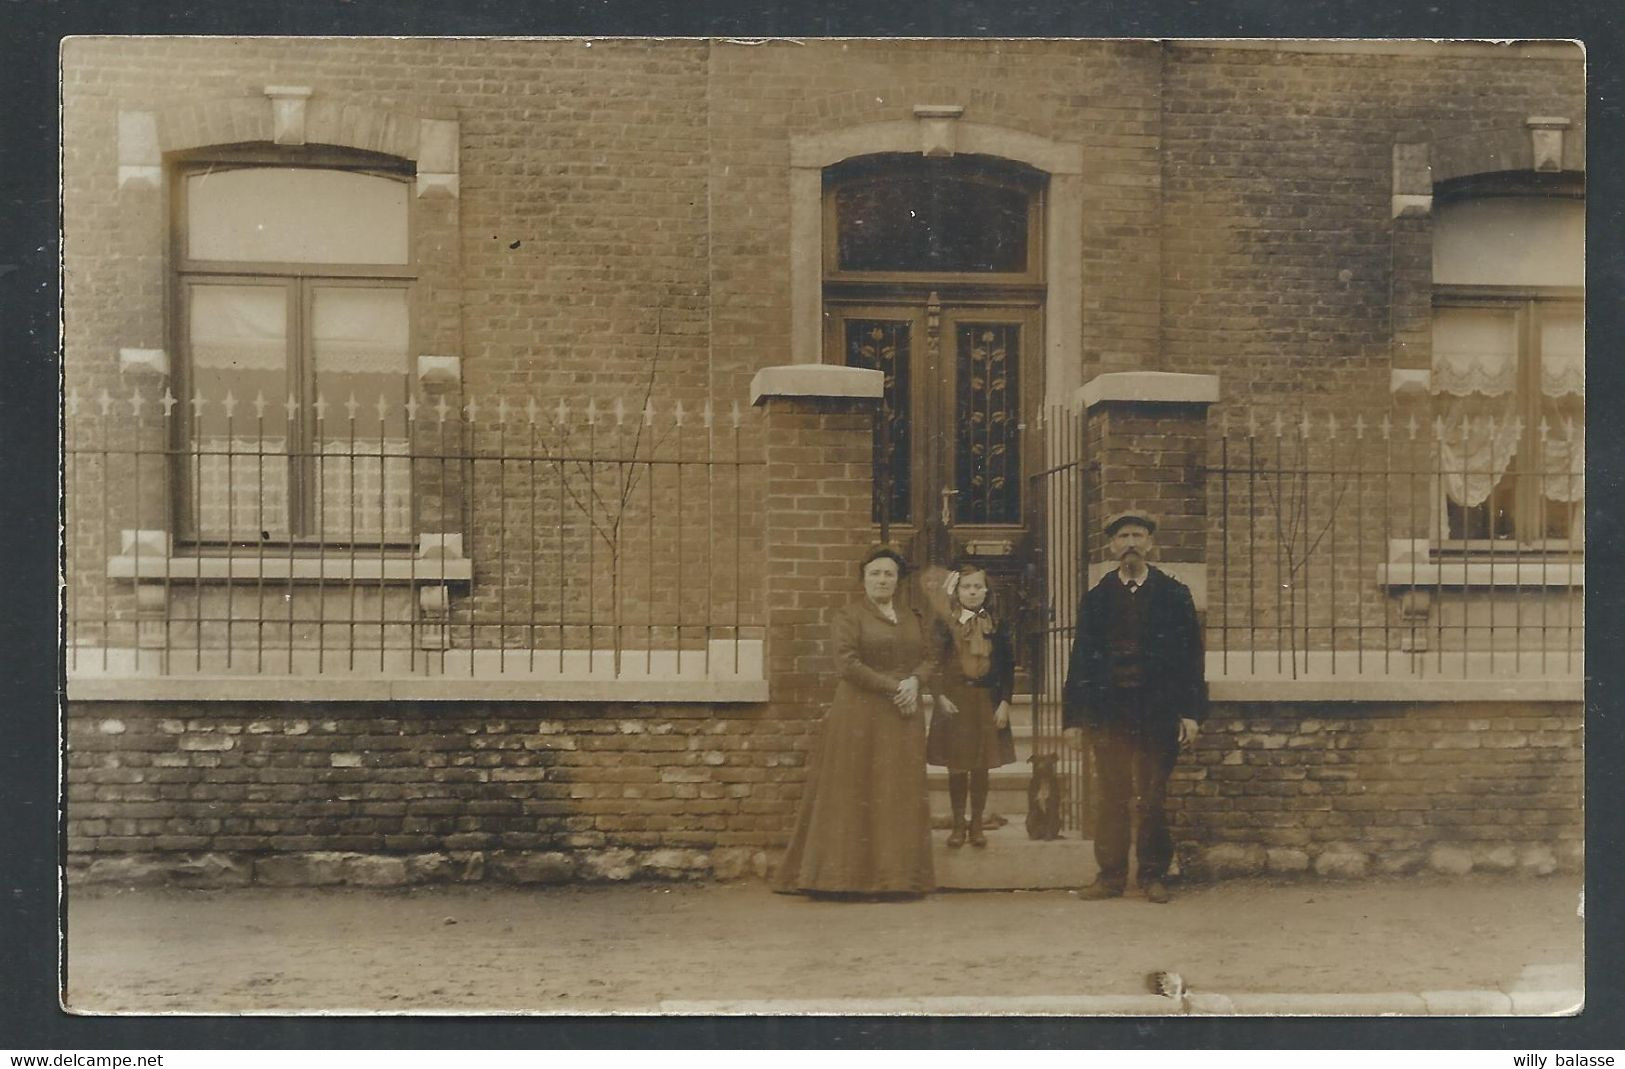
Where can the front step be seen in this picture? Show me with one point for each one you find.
(1013, 862)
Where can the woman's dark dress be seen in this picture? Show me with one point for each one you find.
(864, 822)
(969, 739)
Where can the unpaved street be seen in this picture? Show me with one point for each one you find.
(632, 947)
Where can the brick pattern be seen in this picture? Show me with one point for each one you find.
(1154, 457)
(1396, 783)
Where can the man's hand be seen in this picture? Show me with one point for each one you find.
(1073, 738)
(1001, 716)
(1188, 729)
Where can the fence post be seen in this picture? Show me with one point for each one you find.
(1146, 435)
(820, 477)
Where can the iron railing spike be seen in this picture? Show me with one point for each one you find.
(734, 414)
(441, 409)
(352, 406)
(381, 407)
(169, 401)
(229, 404)
(531, 411)
(592, 411)
(137, 401)
(677, 413)
(260, 404)
(471, 409)
(73, 401)
(562, 416)
(649, 412)
(197, 403)
(502, 410)
(320, 407)
(1413, 426)
(620, 412)
(705, 413)
(411, 409)
(291, 407)
(1359, 426)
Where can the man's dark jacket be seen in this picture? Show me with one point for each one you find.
(1174, 687)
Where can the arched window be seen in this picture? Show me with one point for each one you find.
(1509, 360)
(293, 279)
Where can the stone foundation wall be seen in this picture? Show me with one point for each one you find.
(1349, 789)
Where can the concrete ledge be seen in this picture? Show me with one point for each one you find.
(816, 380)
(1466, 573)
(1353, 688)
(1555, 1002)
(301, 688)
(1260, 1004)
(1159, 387)
(1350, 1004)
(1467, 1003)
(945, 1006)
(271, 568)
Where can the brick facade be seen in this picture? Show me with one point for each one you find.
(620, 228)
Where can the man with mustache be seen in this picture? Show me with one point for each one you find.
(1135, 684)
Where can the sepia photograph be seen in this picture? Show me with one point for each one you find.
(938, 527)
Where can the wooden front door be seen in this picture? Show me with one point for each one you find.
(952, 448)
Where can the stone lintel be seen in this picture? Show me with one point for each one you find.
(812, 381)
(1414, 381)
(1153, 387)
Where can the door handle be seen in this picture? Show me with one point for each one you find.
(948, 495)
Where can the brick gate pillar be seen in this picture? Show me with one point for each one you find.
(819, 449)
(1146, 439)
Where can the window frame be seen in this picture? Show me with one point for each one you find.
(1526, 303)
(298, 281)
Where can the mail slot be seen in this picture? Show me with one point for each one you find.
(990, 549)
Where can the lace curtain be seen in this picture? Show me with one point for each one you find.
(1475, 374)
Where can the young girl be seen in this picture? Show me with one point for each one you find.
(970, 732)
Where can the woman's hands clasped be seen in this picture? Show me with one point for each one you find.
(907, 696)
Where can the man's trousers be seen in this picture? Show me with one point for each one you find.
(1132, 763)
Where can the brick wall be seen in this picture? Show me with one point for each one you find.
(403, 792)
(1355, 788)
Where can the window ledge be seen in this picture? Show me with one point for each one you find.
(328, 568)
(1402, 689)
(1481, 573)
(383, 689)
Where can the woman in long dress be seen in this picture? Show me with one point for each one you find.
(864, 822)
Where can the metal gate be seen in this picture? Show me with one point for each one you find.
(1058, 485)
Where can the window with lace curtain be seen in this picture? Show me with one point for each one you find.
(1508, 372)
(293, 283)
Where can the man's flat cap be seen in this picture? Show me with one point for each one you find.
(1139, 516)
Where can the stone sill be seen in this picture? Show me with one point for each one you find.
(325, 569)
(1482, 573)
(1367, 689)
(398, 689)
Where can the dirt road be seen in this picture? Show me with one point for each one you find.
(633, 947)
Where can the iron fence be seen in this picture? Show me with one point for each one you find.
(485, 538)
(1395, 544)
